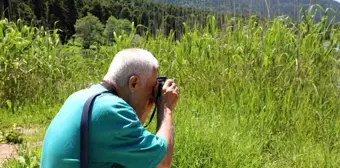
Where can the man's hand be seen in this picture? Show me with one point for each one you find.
(169, 96)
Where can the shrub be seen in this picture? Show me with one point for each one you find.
(89, 30)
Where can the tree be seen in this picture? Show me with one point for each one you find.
(39, 9)
(109, 29)
(123, 26)
(56, 18)
(71, 16)
(96, 10)
(6, 5)
(2, 8)
(79, 6)
(25, 12)
(118, 26)
(88, 30)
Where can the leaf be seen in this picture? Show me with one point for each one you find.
(9, 104)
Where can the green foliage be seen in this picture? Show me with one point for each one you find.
(25, 12)
(11, 136)
(137, 41)
(110, 28)
(89, 30)
(252, 7)
(118, 26)
(123, 26)
(28, 62)
(63, 14)
(39, 7)
(253, 94)
(71, 16)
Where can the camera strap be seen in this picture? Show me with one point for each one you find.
(154, 110)
(152, 115)
(84, 123)
(84, 129)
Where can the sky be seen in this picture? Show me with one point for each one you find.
(337, 0)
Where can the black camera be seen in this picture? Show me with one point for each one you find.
(161, 80)
(158, 91)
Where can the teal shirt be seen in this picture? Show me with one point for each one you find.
(116, 135)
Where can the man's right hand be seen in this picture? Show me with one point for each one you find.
(169, 95)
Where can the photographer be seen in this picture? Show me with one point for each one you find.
(116, 135)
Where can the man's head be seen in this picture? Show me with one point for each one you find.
(134, 73)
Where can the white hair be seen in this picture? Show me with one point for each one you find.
(128, 62)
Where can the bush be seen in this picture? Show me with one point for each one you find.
(11, 136)
(89, 30)
(118, 26)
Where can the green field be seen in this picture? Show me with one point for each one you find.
(258, 94)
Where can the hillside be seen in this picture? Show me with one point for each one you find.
(63, 14)
(275, 7)
(287, 7)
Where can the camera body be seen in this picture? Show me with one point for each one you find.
(161, 80)
(158, 92)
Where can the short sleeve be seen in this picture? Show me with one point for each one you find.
(117, 136)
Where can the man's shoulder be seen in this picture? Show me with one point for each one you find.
(109, 106)
(112, 115)
(105, 99)
(112, 102)
(104, 104)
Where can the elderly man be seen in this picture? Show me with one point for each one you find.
(117, 137)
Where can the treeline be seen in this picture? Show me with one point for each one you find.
(63, 14)
(263, 8)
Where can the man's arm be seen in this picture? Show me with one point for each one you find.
(165, 126)
(166, 130)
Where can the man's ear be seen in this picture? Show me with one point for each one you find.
(133, 83)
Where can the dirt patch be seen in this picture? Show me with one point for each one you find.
(29, 131)
(7, 151)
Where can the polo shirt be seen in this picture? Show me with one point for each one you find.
(116, 136)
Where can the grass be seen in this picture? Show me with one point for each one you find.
(255, 95)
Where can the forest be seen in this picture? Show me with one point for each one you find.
(63, 14)
(265, 8)
(154, 15)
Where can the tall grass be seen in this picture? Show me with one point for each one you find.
(251, 95)
(35, 67)
(29, 63)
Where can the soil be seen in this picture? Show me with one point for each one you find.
(7, 151)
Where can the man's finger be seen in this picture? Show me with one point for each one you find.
(173, 86)
(168, 82)
(176, 91)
